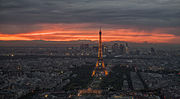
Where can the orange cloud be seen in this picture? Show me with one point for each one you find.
(60, 32)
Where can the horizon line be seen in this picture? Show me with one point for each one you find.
(145, 42)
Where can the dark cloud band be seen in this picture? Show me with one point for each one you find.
(143, 14)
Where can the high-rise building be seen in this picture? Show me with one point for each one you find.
(121, 48)
(126, 48)
(115, 47)
(153, 52)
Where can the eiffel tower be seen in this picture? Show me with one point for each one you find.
(100, 69)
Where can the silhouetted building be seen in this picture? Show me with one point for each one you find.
(115, 47)
(121, 48)
(153, 52)
(84, 46)
(126, 48)
(104, 48)
(95, 48)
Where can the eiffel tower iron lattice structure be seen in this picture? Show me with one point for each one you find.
(100, 69)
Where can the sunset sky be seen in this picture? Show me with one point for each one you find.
(154, 21)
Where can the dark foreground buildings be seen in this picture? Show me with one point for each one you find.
(121, 72)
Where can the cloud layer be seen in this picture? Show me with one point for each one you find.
(149, 16)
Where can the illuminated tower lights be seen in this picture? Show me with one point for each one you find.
(100, 69)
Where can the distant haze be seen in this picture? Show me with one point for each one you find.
(65, 44)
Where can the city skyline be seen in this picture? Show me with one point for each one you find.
(138, 21)
(89, 49)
